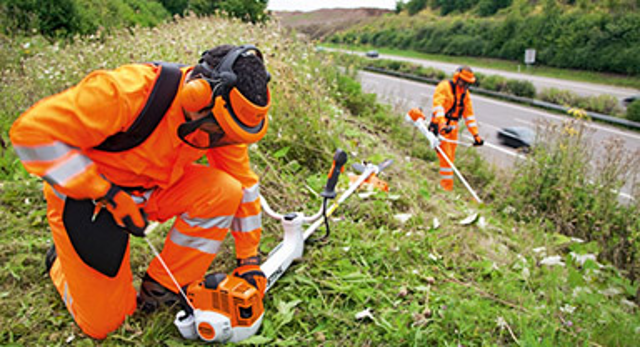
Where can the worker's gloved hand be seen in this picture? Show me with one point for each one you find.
(446, 129)
(478, 141)
(125, 211)
(433, 127)
(415, 114)
(249, 270)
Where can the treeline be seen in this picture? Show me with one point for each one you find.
(490, 7)
(66, 18)
(596, 41)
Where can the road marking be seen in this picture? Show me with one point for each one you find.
(523, 121)
(498, 148)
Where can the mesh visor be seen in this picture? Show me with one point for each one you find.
(203, 133)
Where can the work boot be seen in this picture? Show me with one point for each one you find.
(152, 295)
(50, 257)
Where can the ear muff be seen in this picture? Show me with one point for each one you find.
(196, 95)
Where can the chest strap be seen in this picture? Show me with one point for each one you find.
(449, 115)
(160, 99)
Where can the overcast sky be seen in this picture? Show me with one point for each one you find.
(310, 5)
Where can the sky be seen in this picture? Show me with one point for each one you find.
(311, 5)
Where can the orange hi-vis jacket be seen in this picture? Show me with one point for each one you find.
(443, 104)
(55, 140)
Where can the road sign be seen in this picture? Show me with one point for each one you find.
(529, 56)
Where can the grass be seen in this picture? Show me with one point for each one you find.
(483, 283)
(509, 66)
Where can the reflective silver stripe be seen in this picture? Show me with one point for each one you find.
(446, 177)
(42, 153)
(438, 108)
(59, 195)
(472, 124)
(247, 224)
(68, 300)
(201, 244)
(68, 169)
(251, 194)
(446, 169)
(222, 222)
(470, 118)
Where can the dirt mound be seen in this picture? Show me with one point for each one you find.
(320, 23)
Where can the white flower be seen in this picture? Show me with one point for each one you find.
(402, 217)
(539, 249)
(364, 314)
(567, 309)
(552, 260)
(501, 323)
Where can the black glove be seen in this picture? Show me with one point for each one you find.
(125, 211)
(446, 130)
(433, 127)
(478, 141)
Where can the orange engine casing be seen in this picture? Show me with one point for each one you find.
(230, 296)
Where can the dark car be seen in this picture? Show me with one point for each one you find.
(517, 137)
(372, 54)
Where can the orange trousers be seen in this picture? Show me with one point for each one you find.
(446, 172)
(205, 201)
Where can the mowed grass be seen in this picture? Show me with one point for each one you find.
(432, 279)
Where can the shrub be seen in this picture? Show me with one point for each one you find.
(633, 111)
(521, 88)
(494, 82)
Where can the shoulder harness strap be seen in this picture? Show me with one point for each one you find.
(449, 115)
(160, 99)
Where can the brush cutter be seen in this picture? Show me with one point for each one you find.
(225, 308)
(419, 122)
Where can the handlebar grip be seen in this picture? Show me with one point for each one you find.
(339, 159)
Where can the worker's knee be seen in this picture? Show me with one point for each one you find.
(222, 192)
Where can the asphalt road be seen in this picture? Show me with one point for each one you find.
(491, 115)
(580, 88)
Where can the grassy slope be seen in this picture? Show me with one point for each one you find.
(456, 284)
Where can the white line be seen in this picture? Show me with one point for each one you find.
(498, 148)
(523, 121)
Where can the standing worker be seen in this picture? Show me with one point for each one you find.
(451, 101)
(119, 149)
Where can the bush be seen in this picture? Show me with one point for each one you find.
(521, 88)
(633, 111)
(494, 82)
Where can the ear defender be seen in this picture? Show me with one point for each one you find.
(196, 95)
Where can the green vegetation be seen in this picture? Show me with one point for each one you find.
(564, 36)
(67, 18)
(633, 111)
(509, 278)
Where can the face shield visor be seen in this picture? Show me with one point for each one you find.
(232, 120)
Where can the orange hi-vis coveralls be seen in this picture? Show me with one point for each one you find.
(447, 110)
(55, 140)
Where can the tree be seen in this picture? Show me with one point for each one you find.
(175, 6)
(415, 6)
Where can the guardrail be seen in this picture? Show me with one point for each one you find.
(528, 101)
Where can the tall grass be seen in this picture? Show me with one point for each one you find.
(560, 187)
